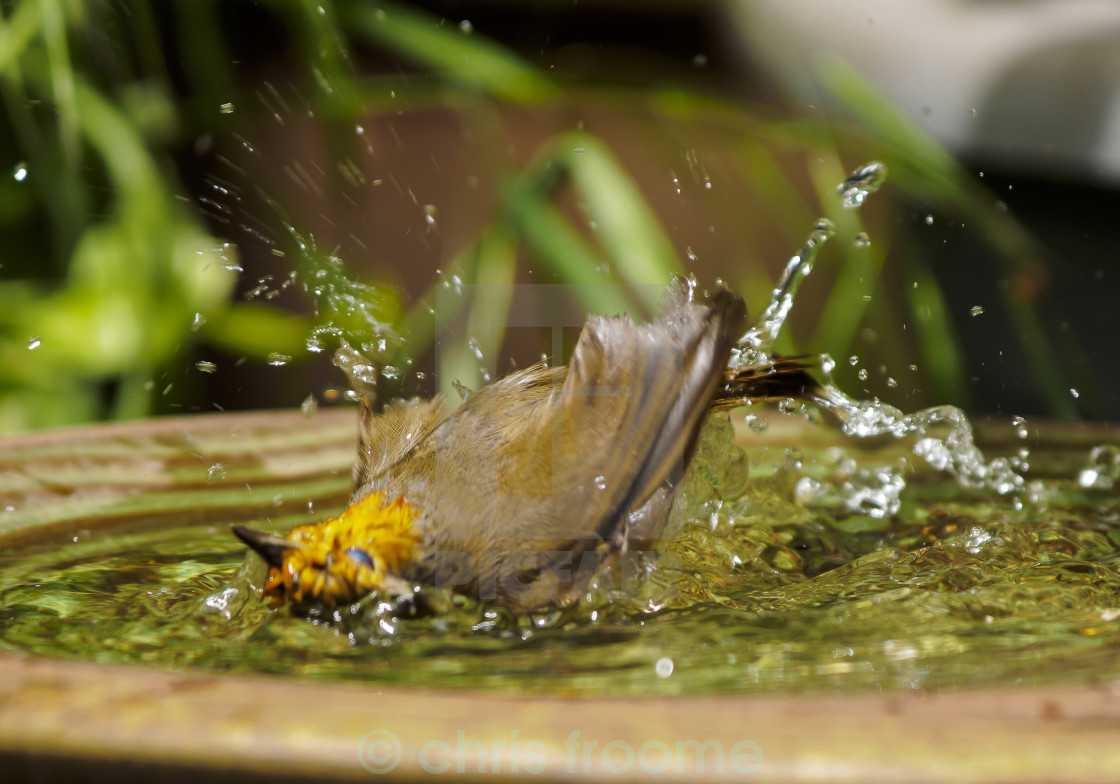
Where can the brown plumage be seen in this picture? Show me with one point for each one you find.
(520, 494)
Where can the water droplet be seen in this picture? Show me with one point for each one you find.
(276, 359)
(794, 459)
(976, 310)
(972, 112)
(1075, 393)
(807, 490)
(216, 472)
(891, 382)
(205, 366)
(19, 173)
(309, 406)
(601, 482)
(756, 423)
(461, 388)
(466, 26)
(853, 360)
(391, 372)
(197, 322)
(861, 240)
(33, 343)
(824, 229)
(1103, 469)
(700, 60)
(862, 374)
(863, 181)
(663, 667)
(929, 220)
(475, 349)
(226, 108)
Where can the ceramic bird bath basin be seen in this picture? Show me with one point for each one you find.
(785, 651)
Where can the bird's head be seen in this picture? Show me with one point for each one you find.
(339, 560)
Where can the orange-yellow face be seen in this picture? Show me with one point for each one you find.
(342, 559)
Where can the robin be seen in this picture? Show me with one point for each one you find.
(518, 496)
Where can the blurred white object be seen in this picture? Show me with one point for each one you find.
(1034, 84)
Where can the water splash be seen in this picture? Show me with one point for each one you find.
(944, 441)
(944, 437)
(754, 346)
(863, 181)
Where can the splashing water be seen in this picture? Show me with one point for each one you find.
(754, 346)
(944, 433)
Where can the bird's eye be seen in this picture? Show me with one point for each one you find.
(361, 556)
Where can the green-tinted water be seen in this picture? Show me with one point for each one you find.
(758, 592)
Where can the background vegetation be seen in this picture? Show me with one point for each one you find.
(196, 188)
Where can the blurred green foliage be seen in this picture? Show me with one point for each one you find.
(110, 274)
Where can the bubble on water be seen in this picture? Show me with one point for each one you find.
(861, 240)
(276, 359)
(206, 366)
(976, 310)
(226, 108)
(19, 173)
(309, 406)
(663, 667)
(1103, 468)
(33, 342)
(863, 181)
(216, 472)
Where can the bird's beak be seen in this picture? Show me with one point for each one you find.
(271, 548)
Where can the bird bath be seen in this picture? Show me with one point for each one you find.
(787, 653)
